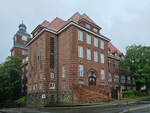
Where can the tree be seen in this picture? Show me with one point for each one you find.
(137, 61)
(10, 83)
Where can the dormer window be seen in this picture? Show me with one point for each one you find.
(87, 26)
(95, 30)
(24, 38)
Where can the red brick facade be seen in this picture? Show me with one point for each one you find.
(72, 79)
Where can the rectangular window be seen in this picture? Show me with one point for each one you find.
(109, 77)
(52, 86)
(80, 51)
(63, 72)
(80, 70)
(102, 44)
(95, 42)
(95, 56)
(116, 78)
(51, 75)
(63, 85)
(95, 30)
(41, 86)
(102, 74)
(88, 39)
(123, 79)
(51, 52)
(102, 58)
(80, 35)
(87, 26)
(88, 54)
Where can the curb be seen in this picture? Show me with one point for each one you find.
(135, 108)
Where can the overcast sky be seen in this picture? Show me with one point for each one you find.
(125, 22)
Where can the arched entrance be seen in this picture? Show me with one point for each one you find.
(92, 78)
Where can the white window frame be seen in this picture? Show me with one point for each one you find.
(88, 39)
(52, 75)
(88, 54)
(52, 86)
(102, 74)
(95, 42)
(41, 86)
(109, 77)
(80, 35)
(80, 70)
(63, 85)
(24, 38)
(102, 58)
(63, 71)
(88, 26)
(102, 44)
(80, 51)
(95, 30)
(95, 56)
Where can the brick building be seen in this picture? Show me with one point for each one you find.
(20, 38)
(69, 62)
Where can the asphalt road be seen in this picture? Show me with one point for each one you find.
(85, 109)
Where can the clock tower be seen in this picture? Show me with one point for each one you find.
(19, 40)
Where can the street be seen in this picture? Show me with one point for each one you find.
(84, 109)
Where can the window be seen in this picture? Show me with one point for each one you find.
(109, 62)
(102, 58)
(123, 79)
(87, 26)
(95, 30)
(88, 55)
(116, 78)
(80, 70)
(116, 65)
(63, 72)
(51, 75)
(52, 52)
(80, 35)
(35, 87)
(24, 52)
(80, 51)
(95, 56)
(102, 74)
(102, 44)
(63, 85)
(52, 86)
(13, 53)
(88, 39)
(123, 87)
(41, 86)
(95, 42)
(109, 77)
(129, 80)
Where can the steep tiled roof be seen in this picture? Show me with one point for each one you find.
(58, 23)
(113, 49)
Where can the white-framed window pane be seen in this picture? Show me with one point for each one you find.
(41, 86)
(63, 71)
(95, 30)
(80, 51)
(95, 56)
(80, 70)
(52, 86)
(102, 44)
(109, 77)
(95, 42)
(102, 74)
(102, 58)
(88, 39)
(123, 79)
(51, 75)
(116, 78)
(80, 35)
(88, 54)
(87, 26)
(63, 85)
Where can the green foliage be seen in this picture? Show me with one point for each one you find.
(21, 100)
(137, 61)
(10, 83)
(131, 93)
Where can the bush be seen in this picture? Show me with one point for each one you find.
(131, 93)
(21, 101)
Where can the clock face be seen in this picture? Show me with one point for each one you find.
(24, 38)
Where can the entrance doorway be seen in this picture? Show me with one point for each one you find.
(92, 79)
